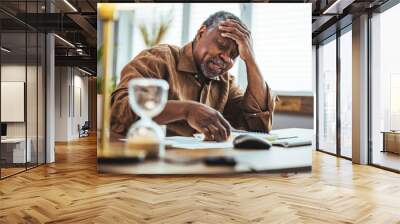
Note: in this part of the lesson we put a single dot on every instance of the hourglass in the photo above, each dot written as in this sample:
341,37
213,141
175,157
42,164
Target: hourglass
147,98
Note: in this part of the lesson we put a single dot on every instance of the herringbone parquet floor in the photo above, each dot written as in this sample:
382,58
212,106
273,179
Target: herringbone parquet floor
71,191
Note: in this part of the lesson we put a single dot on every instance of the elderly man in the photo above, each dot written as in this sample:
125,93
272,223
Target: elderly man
202,97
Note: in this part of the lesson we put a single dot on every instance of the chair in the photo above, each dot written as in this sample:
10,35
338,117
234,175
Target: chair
84,130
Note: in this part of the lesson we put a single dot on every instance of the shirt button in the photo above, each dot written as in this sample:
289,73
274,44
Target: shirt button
196,76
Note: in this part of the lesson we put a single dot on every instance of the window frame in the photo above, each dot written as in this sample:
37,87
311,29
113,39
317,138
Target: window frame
334,37
381,9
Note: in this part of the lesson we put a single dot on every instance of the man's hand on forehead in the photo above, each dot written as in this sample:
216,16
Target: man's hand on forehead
240,34
235,24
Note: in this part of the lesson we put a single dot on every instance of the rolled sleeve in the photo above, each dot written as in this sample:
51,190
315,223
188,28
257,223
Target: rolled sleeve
261,121
246,113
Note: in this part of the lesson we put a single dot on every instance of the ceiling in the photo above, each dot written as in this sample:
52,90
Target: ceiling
76,22
329,16
325,13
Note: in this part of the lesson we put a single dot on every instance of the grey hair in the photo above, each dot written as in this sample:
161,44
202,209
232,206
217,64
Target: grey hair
214,19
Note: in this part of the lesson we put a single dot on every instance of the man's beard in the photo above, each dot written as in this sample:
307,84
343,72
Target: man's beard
206,73
210,74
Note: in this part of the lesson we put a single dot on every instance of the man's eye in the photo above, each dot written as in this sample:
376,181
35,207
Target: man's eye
234,55
221,46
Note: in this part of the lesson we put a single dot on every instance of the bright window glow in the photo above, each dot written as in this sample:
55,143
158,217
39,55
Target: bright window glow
385,78
282,44
327,96
394,101
346,93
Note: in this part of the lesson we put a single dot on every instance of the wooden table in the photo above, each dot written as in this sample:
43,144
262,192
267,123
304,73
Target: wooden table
274,160
391,141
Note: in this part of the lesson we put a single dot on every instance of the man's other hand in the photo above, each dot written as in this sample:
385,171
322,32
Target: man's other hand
241,35
208,121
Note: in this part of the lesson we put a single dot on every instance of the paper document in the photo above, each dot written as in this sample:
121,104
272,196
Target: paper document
195,143
181,142
269,137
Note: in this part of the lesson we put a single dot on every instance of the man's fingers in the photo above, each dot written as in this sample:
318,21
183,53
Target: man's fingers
214,129
218,131
207,133
222,132
232,36
225,123
240,26
230,29
237,26
234,30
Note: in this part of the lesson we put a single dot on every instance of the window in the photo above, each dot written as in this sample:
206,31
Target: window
327,96
394,101
346,94
385,84
22,65
282,44
128,38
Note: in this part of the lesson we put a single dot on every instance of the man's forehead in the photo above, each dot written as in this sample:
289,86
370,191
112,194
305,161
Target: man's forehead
217,37
226,40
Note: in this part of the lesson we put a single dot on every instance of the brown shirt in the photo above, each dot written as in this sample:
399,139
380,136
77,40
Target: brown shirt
176,66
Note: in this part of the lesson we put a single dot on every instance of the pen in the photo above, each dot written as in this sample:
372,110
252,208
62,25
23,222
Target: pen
286,137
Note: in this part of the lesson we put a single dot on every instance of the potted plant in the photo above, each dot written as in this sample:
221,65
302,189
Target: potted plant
152,34
155,32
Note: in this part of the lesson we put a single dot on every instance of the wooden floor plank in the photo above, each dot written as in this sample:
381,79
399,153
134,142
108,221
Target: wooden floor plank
71,191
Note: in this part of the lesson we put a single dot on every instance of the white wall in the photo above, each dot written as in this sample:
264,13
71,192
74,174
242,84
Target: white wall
314,84
80,94
71,94
62,81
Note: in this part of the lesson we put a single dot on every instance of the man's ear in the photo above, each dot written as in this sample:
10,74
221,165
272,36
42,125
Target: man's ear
200,32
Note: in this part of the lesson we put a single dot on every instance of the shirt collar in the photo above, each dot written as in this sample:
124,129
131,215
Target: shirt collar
186,60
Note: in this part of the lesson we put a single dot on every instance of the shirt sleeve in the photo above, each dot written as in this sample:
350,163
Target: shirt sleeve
245,113
148,64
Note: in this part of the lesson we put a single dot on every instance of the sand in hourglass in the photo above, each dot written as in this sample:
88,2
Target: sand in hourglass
149,144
